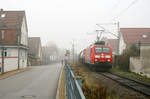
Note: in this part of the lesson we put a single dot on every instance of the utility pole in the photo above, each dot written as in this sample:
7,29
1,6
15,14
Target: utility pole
118,29
118,36
2,52
73,51
2,69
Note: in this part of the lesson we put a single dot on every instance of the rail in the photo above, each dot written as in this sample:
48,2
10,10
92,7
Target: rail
73,87
133,84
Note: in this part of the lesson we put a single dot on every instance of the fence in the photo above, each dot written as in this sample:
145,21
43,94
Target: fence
73,88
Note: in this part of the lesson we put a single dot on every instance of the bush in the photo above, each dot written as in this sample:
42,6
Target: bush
94,92
124,59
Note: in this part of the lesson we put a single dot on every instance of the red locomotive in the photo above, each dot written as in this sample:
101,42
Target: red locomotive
98,56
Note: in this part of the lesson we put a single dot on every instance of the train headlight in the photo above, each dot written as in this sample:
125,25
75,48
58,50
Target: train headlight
107,56
108,60
97,56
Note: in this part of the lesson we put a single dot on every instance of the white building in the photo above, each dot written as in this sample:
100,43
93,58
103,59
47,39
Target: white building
129,36
14,40
141,38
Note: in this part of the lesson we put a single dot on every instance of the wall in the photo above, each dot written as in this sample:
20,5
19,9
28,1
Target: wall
135,65
24,33
10,61
145,59
23,58
141,65
122,44
10,36
40,52
34,61
10,64
24,41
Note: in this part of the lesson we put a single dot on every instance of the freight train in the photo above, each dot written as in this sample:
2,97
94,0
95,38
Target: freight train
98,56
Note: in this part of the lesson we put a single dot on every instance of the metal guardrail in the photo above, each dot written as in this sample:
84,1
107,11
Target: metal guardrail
73,88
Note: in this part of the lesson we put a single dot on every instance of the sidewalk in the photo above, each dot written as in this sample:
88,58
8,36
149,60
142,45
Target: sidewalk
61,86
10,73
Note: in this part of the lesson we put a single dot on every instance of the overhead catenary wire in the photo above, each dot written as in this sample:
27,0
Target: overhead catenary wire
124,10
114,7
107,30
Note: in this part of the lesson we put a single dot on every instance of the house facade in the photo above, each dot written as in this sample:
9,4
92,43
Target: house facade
50,54
35,51
129,36
45,55
13,40
141,38
141,64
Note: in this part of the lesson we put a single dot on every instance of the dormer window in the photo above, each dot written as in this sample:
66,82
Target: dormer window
3,15
144,36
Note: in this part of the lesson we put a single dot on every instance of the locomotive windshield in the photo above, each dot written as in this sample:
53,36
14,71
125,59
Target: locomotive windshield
102,49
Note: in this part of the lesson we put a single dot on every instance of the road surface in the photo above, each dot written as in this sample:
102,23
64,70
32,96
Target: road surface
39,82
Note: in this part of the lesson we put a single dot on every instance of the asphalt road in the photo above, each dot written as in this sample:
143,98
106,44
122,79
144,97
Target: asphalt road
39,82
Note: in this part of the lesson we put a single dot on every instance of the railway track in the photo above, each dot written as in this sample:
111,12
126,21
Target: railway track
130,83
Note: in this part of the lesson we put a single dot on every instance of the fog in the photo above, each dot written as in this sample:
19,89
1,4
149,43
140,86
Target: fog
67,21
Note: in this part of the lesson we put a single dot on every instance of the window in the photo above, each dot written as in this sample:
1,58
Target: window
144,36
8,52
2,33
106,50
3,15
98,49
102,49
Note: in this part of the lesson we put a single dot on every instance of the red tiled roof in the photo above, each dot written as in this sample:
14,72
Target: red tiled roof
134,35
12,19
113,43
11,22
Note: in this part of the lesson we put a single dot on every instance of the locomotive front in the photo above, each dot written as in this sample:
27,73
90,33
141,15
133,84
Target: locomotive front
101,56
98,56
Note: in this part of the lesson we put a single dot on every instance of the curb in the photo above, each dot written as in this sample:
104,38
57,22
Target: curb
19,71
59,82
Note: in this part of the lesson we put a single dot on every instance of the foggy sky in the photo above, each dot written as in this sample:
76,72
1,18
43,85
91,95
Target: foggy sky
62,21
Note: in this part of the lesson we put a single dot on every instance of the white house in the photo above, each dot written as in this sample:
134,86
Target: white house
140,37
141,64
129,36
13,39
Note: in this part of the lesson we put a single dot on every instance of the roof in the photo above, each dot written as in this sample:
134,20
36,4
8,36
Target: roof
113,43
34,45
135,35
11,19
